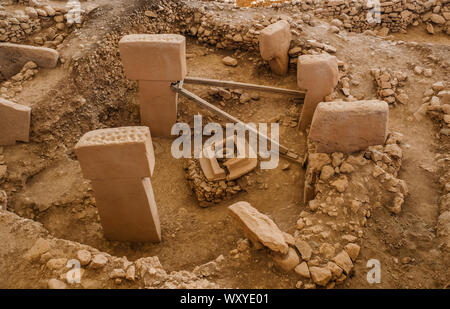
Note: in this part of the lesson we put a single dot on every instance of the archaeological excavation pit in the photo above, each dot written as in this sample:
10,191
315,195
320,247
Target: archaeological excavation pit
93,112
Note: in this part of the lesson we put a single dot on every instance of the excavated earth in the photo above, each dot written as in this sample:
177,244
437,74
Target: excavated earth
51,213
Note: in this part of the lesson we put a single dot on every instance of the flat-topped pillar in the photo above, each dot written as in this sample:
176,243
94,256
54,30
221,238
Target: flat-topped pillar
119,162
156,61
318,75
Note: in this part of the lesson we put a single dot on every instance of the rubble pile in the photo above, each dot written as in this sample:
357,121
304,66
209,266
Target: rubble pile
207,192
437,106
389,86
56,261
20,25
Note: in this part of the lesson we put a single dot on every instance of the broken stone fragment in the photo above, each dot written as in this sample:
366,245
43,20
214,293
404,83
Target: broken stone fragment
287,262
320,275
352,250
259,227
303,270
274,42
343,261
304,248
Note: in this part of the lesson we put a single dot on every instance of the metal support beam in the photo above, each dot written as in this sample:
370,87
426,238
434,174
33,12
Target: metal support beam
284,151
231,84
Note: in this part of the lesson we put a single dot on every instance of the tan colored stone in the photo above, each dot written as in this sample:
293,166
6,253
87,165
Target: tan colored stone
320,275
259,227
274,42
127,209
304,248
55,284
352,251
14,56
349,126
40,247
335,270
318,75
288,261
343,261
303,270
158,107
154,57
84,257
116,153
14,122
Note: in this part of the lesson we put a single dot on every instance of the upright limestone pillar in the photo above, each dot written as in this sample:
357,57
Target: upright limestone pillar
119,163
318,75
156,61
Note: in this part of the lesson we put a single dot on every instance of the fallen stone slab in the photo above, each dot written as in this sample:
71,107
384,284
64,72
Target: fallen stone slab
349,126
14,56
14,122
259,228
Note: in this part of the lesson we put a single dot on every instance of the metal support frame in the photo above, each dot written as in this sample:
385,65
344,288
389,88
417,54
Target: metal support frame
284,151
231,84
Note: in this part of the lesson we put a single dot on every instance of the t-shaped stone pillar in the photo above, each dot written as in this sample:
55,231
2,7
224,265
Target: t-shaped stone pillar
274,42
14,122
318,75
119,163
155,60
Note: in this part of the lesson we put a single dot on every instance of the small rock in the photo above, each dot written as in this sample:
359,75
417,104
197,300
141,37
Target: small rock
56,284
352,251
304,248
343,261
117,273
320,275
99,261
302,270
288,261
84,257
230,61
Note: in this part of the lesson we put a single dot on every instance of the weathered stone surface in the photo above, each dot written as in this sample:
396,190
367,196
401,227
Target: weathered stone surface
14,122
274,42
14,56
343,261
320,275
288,261
352,251
259,227
318,75
154,57
349,126
304,248
116,153
55,284
303,270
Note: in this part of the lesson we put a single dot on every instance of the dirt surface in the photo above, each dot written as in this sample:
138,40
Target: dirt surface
88,91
